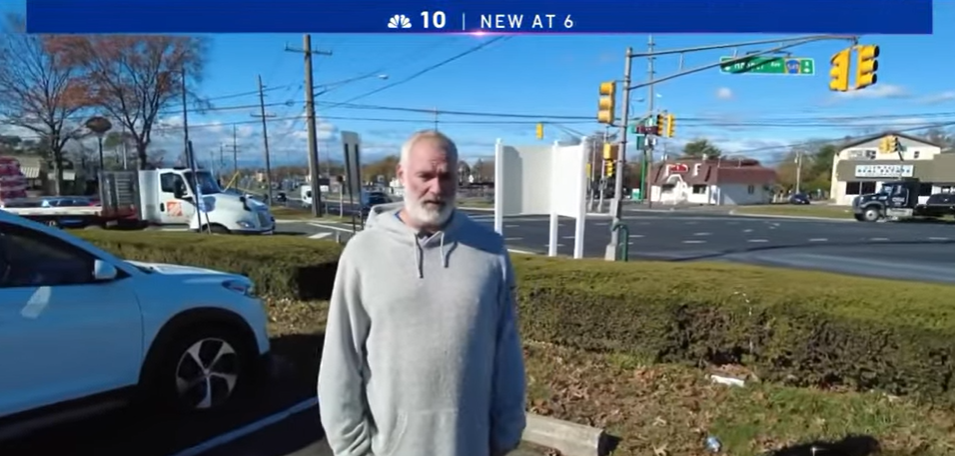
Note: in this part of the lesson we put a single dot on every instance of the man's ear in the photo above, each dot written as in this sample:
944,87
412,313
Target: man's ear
400,173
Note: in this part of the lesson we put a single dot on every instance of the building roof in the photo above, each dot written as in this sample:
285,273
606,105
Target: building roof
886,133
715,172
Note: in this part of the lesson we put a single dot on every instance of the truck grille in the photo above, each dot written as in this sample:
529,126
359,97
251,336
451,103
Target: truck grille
265,219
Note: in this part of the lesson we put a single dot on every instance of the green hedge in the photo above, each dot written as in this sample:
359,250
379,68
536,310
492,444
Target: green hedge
804,328
281,266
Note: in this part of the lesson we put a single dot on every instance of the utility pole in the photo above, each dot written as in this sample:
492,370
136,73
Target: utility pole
435,119
265,140
617,203
798,170
313,163
235,150
648,149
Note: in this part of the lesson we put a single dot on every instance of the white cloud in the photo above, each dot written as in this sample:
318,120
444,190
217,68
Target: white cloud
724,93
873,92
938,97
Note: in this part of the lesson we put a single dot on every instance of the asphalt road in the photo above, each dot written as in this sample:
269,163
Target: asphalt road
908,251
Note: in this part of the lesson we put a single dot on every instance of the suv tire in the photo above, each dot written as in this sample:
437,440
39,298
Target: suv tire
204,369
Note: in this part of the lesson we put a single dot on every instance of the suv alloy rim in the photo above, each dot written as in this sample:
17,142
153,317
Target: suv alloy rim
206,373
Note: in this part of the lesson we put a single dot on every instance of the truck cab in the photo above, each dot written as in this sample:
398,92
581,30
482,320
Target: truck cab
897,199
174,196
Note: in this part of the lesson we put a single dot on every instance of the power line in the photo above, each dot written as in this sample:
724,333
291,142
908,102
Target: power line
431,68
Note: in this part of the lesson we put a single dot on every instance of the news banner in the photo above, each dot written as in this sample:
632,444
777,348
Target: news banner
855,17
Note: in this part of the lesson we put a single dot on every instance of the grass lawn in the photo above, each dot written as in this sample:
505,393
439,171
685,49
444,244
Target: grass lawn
668,410
809,210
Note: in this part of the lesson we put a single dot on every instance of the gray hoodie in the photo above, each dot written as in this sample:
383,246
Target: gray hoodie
422,355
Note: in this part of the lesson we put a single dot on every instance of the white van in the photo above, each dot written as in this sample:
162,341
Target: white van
305,195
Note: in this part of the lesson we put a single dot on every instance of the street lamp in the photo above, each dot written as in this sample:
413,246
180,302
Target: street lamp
99,126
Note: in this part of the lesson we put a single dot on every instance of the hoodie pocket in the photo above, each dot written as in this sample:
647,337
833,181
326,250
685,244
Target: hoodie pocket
436,432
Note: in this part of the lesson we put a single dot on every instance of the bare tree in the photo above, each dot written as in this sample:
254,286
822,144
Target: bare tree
136,78
39,91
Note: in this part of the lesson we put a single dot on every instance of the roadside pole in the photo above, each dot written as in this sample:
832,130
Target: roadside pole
650,141
313,164
798,170
617,203
265,140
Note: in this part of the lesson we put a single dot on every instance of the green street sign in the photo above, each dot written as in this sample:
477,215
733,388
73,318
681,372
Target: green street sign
790,66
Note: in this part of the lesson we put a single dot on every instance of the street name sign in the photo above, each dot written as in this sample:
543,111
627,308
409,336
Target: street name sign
790,66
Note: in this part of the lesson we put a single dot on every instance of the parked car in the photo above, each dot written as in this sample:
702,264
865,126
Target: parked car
799,198
86,331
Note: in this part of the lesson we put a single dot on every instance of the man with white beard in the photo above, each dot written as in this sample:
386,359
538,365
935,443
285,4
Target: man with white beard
422,355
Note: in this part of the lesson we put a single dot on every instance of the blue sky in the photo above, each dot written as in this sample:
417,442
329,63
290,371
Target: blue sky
554,75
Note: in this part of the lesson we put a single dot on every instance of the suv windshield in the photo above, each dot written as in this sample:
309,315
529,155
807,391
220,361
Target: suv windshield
207,184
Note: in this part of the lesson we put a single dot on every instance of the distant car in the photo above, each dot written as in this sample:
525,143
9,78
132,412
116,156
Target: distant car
88,331
281,197
799,198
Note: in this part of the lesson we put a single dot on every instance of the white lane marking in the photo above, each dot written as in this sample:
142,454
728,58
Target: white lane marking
878,239
757,240
692,241
635,236
320,235
701,234
512,226
692,223
331,227
938,238
558,245
524,252
601,224
513,239
748,230
248,429
568,237
818,240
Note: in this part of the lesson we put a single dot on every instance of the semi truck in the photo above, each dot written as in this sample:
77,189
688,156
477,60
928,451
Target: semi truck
899,200
166,197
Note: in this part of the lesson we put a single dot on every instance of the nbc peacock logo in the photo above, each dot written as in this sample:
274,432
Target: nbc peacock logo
399,21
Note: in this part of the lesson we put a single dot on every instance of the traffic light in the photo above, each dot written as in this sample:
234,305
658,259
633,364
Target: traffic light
671,127
866,66
540,131
607,104
609,168
608,151
895,144
839,74
658,125
885,144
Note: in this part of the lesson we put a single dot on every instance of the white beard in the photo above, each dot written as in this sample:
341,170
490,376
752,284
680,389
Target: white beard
427,216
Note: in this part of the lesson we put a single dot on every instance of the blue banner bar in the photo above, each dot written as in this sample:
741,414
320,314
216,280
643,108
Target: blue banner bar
851,17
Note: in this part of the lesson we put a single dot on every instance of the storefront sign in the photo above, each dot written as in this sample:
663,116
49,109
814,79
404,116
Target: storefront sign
888,171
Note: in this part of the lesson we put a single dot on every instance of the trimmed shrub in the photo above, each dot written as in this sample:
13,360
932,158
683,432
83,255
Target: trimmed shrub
796,327
280,266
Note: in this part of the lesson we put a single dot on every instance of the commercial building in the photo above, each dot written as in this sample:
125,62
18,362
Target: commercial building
860,167
711,181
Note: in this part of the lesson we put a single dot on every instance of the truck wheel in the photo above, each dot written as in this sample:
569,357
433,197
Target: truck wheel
859,217
219,229
872,214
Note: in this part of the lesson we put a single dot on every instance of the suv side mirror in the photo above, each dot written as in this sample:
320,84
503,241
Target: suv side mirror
103,271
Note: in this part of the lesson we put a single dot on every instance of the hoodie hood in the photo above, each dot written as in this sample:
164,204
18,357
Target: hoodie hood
384,218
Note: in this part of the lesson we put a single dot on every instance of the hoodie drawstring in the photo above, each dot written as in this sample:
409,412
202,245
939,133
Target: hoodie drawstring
419,253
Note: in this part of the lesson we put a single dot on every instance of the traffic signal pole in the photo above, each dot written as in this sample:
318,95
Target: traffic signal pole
617,203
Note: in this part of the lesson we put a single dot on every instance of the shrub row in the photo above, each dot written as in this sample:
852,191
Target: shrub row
804,328
281,266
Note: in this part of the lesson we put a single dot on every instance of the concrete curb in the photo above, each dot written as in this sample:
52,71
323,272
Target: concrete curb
794,217
570,439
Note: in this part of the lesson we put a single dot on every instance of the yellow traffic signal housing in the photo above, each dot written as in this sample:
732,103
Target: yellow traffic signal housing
609,168
895,143
839,74
659,126
607,104
608,151
866,66
540,131
671,126
885,145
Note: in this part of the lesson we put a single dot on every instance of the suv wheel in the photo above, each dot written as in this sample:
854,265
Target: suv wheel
204,370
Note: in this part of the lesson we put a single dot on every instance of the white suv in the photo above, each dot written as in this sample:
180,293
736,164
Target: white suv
82,330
